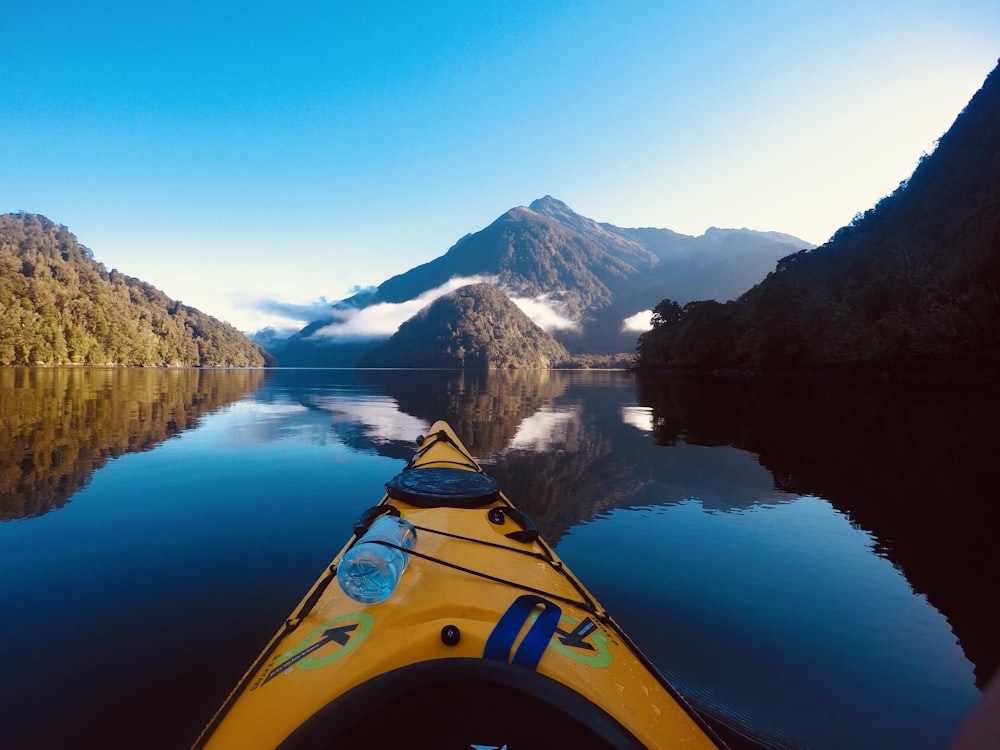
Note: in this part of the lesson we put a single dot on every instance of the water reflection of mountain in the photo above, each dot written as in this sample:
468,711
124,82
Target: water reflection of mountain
501,415
334,405
59,425
485,407
561,446
385,410
910,463
581,457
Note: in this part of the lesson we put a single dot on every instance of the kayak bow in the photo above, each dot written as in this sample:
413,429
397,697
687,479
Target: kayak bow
488,640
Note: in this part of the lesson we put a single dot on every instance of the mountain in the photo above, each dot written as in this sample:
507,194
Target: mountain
60,306
577,278
911,284
477,327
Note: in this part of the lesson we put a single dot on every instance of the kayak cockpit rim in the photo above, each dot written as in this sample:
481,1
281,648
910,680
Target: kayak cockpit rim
460,701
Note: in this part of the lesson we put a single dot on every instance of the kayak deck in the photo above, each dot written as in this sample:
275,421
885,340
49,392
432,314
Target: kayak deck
488,640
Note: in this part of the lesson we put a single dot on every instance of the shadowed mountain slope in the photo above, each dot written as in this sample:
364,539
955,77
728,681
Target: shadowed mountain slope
911,284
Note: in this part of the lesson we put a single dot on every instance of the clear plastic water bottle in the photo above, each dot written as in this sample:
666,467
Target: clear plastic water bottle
368,573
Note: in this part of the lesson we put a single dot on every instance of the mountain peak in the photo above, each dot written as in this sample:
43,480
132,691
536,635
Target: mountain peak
556,210
550,206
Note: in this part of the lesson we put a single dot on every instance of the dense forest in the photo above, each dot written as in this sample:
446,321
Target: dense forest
911,284
477,327
59,306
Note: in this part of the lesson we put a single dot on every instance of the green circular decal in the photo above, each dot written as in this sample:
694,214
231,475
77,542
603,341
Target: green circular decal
581,641
591,650
347,631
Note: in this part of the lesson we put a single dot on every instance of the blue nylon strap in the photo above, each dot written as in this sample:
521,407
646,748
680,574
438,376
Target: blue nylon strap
501,640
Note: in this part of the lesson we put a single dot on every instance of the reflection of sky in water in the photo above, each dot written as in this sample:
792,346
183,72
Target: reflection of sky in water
256,422
380,418
640,417
546,429
322,420
720,478
781,616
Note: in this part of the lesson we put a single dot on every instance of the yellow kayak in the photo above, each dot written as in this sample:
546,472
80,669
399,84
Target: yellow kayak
487,640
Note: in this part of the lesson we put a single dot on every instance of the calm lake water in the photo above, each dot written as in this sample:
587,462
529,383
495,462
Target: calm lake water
809,562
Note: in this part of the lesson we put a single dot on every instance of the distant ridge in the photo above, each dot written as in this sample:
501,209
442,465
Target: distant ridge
578,278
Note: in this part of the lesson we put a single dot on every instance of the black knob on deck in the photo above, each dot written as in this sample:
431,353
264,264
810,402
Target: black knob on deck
450,635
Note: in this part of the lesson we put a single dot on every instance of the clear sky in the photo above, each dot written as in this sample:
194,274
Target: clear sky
243,156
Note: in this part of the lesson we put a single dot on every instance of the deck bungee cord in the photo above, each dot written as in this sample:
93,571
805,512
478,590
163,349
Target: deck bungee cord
589,605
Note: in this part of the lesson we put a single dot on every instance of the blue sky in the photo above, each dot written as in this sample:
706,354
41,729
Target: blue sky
233,154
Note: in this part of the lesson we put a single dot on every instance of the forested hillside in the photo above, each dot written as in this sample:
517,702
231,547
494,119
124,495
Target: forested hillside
912,284
477,327
60,306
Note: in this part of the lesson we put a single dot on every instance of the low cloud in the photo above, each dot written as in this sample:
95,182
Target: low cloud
545,313
641,321
383,319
